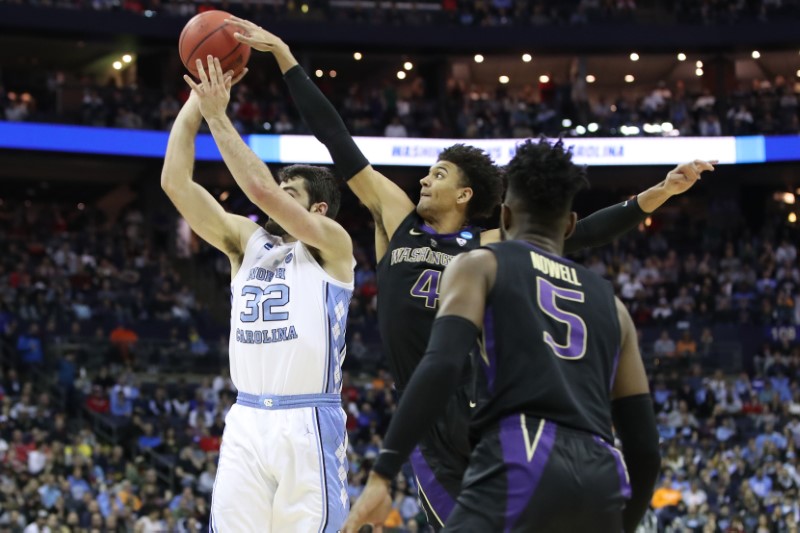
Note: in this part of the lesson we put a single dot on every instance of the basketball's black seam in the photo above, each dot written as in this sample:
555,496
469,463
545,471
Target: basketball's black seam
221,59
198,45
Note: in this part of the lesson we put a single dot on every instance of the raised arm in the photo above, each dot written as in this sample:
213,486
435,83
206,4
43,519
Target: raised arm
635,422
224,231
257,182
605,225
386,201
610,223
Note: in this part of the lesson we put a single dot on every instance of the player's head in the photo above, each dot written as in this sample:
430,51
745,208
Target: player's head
315,188
464,178
542,182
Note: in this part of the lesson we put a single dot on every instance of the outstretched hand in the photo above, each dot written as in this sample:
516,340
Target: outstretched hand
254,36
681,178
214,90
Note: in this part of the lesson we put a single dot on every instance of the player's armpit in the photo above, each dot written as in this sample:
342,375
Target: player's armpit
387,202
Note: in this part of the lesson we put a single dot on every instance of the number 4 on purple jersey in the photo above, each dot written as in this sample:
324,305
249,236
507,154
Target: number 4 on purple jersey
427,287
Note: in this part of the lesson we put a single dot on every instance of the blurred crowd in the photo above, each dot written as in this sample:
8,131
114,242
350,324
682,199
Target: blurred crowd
460,12
405,109
108,442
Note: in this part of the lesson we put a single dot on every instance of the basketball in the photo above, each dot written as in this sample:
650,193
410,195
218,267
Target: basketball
207,34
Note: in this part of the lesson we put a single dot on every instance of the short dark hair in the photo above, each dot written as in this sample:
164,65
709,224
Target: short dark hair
544,177
321,185
481,174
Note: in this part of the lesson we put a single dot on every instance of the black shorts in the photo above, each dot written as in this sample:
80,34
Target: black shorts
529,475
441,458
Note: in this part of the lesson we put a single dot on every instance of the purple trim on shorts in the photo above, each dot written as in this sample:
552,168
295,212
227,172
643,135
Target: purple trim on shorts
489,345
523,476
624,485
614,366
437,496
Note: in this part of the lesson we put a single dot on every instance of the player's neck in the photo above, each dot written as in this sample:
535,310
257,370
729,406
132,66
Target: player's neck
445,223
541,240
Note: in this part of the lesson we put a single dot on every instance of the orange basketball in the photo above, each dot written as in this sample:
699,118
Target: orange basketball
207,34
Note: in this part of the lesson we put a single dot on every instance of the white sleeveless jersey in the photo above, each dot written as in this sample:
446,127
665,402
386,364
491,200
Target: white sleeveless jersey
288,319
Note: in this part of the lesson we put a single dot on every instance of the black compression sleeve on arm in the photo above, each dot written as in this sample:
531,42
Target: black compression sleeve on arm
325,123
635,422
424,400
605,225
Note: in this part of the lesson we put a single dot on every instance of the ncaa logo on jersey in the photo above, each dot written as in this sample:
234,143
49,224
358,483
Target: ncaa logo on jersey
460,241
267,402
289,258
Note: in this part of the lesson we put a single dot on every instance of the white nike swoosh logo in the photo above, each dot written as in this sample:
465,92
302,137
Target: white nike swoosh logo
415,232
472,404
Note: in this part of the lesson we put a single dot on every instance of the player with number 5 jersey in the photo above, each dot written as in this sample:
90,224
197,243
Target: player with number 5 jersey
283,461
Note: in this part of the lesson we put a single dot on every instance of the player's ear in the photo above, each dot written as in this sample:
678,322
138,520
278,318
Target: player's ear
319,207
572,223
464,195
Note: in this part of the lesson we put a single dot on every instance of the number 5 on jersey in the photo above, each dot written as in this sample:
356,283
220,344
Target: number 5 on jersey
547,297
427,287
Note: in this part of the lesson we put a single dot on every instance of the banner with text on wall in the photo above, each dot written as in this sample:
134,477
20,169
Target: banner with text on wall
607,151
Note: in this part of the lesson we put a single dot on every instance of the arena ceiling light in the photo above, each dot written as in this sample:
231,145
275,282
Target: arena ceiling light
580,130
357,56
544,78
756,54
408,65
127,58
792,218
667,127
593,127
527,58
332,74
634,56
117,65
699,72
566,123
681,57
318,73
401,75
699,64
503,79
590,78
629,78
478,58
798,73
304,8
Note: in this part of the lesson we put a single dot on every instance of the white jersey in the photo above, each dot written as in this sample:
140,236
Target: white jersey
288,319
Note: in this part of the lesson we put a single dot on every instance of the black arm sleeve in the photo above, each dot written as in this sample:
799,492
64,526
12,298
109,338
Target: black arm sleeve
325,123
635,422
605,225
425,399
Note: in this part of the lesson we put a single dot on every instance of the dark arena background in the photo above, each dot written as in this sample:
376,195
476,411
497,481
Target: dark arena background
114,316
